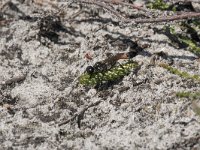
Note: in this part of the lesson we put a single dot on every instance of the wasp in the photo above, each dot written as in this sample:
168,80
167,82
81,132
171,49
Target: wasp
109,76
108,63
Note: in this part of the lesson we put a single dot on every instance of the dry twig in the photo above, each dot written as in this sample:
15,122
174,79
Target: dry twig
80,112
107,5
5,22
102,5
188,15
14,80
124,4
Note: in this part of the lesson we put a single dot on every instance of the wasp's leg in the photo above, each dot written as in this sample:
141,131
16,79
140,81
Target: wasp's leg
104,85
120,65
99,67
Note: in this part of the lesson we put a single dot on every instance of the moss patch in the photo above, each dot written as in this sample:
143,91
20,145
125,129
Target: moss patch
191,95
109,75
159,4
188,38
180,73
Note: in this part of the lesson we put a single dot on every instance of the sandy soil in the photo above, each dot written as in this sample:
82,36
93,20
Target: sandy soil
45,90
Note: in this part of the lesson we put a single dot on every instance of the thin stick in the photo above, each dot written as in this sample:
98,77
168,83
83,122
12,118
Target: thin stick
167,18
105,7
125,4
80,112
5,22
15,79
187,15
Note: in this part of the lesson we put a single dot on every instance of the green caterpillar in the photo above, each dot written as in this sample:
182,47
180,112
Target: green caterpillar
113,74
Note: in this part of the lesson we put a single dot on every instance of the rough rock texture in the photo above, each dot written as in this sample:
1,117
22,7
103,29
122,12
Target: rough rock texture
129,116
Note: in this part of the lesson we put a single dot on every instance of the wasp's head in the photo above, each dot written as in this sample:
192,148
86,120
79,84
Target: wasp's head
132,54
90,70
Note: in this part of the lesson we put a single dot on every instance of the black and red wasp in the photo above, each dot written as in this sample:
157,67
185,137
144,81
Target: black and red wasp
108,63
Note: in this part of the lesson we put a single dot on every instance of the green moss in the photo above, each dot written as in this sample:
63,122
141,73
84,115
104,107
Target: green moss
196,23
180,73
192,45
109,75
172,29
159,4
186,39
191,95
183,94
